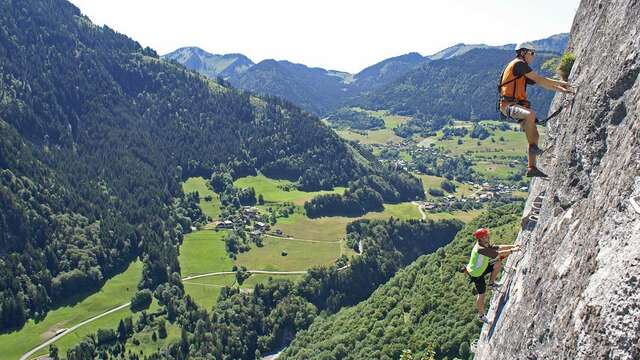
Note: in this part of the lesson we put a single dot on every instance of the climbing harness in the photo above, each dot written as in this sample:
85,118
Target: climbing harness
515,93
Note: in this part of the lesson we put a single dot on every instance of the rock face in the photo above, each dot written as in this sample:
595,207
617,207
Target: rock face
574,292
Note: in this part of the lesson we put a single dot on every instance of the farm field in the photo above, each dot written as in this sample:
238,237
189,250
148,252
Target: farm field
301,255
203,252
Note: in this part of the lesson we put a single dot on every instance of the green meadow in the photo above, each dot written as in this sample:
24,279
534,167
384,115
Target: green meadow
430,181
203,252
301,255
205,291
115,292
199,184
275,190
381,136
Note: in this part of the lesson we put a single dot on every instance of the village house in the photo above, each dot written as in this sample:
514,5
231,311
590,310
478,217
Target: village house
259,225
226,224
250,212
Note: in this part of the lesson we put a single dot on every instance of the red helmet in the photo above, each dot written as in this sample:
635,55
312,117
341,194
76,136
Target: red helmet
481,233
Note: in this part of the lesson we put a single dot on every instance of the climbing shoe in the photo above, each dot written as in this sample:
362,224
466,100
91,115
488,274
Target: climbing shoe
483,318
495,286
535,172
534,150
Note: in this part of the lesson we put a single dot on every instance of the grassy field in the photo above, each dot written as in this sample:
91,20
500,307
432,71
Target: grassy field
333,228
381,136
272,189
116,291
498,157
492,170
210,208
429,181
464,216
513,146
203,252
300,255
205,291
107,322
391,121
402,211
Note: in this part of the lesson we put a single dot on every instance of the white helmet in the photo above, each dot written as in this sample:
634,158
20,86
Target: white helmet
525,45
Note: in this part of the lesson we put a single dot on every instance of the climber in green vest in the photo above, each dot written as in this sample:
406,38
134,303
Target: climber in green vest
485,259
514,103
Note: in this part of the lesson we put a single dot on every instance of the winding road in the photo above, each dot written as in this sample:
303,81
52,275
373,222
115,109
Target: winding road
28,354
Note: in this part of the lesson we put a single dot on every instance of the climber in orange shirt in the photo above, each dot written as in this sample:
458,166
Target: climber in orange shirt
513,99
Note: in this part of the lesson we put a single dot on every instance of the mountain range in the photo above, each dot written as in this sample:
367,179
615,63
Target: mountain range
96,135
323,91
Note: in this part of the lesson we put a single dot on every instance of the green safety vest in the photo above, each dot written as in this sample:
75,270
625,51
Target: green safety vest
478,263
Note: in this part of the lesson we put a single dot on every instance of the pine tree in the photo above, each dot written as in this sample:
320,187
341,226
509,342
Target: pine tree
122,331
162,329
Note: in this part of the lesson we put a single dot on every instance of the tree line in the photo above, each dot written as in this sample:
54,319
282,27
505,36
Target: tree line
368,194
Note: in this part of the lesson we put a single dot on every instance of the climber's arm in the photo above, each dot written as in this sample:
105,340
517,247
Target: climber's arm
549,84
508,247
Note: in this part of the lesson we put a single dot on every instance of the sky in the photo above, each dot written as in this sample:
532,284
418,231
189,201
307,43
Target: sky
346,35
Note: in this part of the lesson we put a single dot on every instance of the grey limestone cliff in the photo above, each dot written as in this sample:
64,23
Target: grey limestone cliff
574,293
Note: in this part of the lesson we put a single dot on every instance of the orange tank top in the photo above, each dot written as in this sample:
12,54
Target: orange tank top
513,89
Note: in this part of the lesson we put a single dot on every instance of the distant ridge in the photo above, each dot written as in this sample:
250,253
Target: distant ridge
211,65
323,91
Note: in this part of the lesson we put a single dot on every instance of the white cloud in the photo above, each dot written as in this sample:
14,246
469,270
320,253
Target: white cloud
335,34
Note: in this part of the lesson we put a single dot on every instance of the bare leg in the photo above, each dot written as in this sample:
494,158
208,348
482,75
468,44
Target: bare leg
495,272
531,131
480,304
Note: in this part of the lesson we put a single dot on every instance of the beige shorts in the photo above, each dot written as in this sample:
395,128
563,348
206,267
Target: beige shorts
516,112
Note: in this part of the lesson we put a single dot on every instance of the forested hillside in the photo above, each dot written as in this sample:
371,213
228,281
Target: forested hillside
463,87
246,325
97,133
316,90
426,306
385,71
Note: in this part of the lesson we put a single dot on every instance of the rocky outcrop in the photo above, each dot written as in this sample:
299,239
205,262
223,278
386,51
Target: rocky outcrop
574,293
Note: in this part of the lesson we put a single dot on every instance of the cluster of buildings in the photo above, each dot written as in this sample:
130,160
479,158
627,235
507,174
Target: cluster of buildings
482,193
248,216
485,192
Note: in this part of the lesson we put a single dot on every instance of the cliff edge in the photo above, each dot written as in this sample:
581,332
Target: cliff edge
574,292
